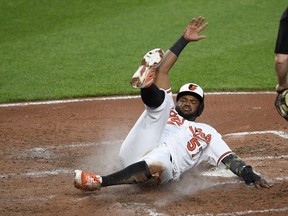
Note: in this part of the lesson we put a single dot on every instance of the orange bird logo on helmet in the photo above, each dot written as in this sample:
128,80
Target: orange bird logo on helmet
192,87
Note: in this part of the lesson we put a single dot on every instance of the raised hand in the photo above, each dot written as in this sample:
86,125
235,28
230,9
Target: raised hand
193,29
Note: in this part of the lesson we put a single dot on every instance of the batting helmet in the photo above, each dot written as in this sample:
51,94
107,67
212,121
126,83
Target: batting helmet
195,90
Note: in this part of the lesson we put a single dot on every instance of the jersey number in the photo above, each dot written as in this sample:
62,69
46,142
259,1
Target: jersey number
192,145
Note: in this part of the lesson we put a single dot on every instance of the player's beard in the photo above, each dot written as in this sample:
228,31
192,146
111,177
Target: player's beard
189,117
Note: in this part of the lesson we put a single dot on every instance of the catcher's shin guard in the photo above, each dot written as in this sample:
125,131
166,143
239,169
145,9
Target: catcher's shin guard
281,104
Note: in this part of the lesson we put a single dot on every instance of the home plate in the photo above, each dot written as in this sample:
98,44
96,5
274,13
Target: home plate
219,172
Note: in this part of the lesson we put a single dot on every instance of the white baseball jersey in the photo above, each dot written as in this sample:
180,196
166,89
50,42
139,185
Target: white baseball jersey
190,143
162,136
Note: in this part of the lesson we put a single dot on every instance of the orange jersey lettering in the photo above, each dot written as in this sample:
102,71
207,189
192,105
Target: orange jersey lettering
174,119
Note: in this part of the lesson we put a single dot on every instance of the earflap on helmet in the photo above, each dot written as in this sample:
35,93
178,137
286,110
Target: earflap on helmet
200,108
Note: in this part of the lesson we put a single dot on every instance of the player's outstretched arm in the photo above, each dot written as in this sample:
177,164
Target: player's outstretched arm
190,34
238,167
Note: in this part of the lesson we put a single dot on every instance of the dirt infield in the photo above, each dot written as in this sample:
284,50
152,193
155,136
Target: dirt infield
41,145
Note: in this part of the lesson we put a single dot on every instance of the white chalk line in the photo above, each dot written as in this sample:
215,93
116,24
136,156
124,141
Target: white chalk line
278,133
67,101
75,145
114,98
42,173
248,212
152,212
266,157
40,150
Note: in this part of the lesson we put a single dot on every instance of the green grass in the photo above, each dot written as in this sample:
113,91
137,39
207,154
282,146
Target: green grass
51,49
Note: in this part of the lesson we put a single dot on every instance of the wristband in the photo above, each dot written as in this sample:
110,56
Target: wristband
179,46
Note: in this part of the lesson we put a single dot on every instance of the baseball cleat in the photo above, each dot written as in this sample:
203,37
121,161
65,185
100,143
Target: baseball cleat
86,182
145,75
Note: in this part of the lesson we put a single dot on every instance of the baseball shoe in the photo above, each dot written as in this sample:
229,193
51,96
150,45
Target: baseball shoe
86,182
145,75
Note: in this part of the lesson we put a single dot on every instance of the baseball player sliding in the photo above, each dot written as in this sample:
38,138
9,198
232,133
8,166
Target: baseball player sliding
166,141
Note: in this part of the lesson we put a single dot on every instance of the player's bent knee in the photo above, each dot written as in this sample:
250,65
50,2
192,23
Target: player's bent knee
281,59
125,159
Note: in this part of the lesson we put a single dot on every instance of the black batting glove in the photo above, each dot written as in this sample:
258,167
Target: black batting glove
252,178
249,176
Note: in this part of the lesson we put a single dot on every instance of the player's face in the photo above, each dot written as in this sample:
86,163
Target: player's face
188,104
